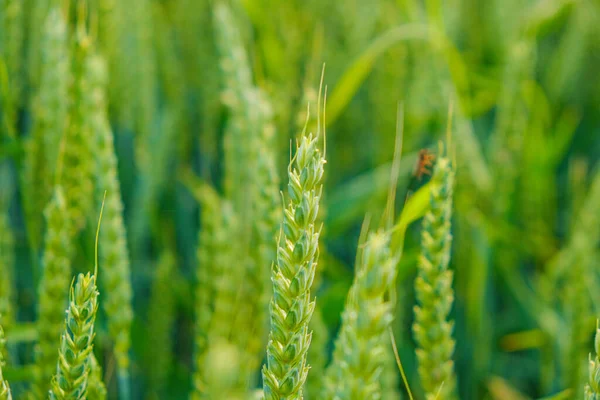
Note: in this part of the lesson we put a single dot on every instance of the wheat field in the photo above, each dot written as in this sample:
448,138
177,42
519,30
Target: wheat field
287,200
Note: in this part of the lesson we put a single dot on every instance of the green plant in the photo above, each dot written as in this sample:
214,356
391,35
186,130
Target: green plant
576,305
223,371
238,91
50,107
161,323
433,288
252,192
144,85
114,254
592,388
208,265
5,393
75,171
54,284
293,274
316,356
358,358
266,216
11,47
216,290
76,344
7,263
96,388
50,120
147,99
112,21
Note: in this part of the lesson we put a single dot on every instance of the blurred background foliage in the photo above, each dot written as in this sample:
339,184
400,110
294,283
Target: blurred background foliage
523,77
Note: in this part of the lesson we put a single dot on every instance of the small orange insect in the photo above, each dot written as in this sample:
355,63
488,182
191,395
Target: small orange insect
424,162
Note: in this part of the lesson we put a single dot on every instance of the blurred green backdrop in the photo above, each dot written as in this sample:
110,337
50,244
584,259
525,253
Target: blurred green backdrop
523,78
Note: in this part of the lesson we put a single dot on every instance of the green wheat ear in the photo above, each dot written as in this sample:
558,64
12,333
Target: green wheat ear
50,118
12,13
210,251
360,350
292,276
592,389
433,286
4,388
7,264
114,255
76,169
76,344
75,369
253,192
53,287
162,315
